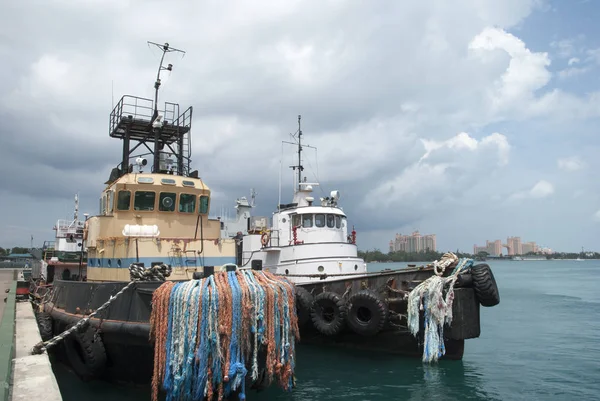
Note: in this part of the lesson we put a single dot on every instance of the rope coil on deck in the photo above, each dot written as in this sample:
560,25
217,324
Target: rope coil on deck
136,273
428,296
206,331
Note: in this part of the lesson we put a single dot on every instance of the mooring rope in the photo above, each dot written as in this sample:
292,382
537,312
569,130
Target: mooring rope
136,273
207,333
428,297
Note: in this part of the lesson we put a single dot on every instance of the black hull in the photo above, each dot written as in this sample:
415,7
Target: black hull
125,324
395,337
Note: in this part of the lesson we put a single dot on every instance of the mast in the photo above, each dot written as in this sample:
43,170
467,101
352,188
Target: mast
165,49
75,215
300,168
300,147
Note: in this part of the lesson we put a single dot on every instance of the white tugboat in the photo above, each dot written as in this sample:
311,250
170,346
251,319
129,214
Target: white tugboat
307,237
310,242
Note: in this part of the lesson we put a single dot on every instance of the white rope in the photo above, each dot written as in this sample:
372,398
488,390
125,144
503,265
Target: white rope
428,296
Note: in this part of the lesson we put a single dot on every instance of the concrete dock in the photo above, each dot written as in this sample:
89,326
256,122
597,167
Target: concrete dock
26,377
7,330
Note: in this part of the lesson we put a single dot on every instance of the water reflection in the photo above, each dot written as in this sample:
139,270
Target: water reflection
329,374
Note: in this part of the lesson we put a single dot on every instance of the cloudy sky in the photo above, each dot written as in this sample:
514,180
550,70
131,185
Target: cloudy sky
470,119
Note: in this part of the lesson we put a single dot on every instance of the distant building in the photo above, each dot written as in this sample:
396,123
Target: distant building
414,242
514,245
529,247
492,248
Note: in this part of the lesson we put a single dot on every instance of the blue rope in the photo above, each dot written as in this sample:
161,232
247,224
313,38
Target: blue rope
203,351
168,380
188,368
237,369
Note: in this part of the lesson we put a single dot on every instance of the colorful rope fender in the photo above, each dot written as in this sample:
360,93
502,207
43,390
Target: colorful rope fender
207,334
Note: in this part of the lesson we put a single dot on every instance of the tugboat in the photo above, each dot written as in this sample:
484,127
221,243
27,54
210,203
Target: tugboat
339,301
153,229
65,258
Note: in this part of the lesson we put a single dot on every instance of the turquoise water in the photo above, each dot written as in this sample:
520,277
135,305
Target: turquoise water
540,343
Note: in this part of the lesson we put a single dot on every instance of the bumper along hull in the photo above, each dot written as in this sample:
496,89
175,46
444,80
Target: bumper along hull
378,321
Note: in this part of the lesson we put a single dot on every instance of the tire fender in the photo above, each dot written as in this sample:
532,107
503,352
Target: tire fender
367,313
329,313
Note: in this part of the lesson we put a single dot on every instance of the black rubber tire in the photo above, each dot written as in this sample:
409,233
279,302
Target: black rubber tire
44,322
329,313
464,280
485,285
304,305
367,313
86,354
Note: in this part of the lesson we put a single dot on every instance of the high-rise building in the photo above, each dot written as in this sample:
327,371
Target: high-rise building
529,247
414,242
514,245
492,248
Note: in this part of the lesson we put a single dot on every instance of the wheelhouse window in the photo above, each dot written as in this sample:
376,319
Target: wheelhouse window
204,204
187,203
307,220
166,202
338,222
110,201
296,220
144,201
330,220
320,220
123,200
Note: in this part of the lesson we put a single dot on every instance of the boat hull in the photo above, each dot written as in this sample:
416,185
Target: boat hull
395,337
125,328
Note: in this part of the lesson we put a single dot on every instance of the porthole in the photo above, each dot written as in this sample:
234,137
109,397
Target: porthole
321,269
355,267
118,262
283,220
287,271
109,262
99,263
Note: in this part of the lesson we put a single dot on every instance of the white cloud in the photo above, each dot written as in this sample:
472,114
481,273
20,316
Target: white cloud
541,189
443,174
526,72
570,163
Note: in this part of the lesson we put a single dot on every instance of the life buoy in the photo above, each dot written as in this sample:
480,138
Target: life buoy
44,322
86,353
485,285
329,313
304,305
367,313
264,239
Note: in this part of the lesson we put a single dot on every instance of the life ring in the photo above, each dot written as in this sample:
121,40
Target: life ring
86,353
367,313
44,322
304,305
329,313
484,284
264,239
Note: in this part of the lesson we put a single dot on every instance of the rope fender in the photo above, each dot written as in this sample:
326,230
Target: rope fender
207,334
428,297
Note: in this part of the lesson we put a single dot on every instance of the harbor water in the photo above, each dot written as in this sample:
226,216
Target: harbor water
542,342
